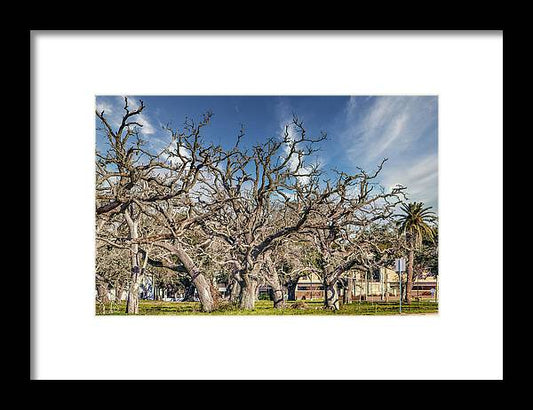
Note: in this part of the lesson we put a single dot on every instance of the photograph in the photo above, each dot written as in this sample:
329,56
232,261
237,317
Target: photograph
266,205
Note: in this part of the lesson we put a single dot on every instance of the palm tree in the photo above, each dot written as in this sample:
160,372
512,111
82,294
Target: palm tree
417,224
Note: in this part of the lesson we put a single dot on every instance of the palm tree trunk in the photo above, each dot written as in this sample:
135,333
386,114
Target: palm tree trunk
409,284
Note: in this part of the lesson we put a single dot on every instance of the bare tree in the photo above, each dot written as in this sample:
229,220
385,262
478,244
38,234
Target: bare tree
339,227
137,184
289,260
258,185
192,212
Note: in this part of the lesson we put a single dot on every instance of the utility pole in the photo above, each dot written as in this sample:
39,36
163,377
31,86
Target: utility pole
400,279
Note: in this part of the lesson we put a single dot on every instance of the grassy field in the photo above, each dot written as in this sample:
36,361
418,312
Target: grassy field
263,307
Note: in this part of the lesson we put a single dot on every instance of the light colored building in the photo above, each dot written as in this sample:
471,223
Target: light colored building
310,287
378,285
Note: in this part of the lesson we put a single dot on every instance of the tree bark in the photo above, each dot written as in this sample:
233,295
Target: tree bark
331,296
204,292
215,293
291,289
208,301
344,293
101,288
348,291
247,294
233,290
119,290
277,289
331,300
277,296
189,292
132,303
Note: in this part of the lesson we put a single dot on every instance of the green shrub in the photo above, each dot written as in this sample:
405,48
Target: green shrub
264,296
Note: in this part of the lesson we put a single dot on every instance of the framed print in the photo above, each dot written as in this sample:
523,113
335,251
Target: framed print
333,199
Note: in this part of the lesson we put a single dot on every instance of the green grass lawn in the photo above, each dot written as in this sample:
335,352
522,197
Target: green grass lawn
264,307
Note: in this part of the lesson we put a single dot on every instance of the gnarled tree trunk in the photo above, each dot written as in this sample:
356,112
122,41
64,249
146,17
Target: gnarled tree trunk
277,297
137,274
347,296
101,288
189,291
331,296
331,299
132,303
247,294
233,290
277,288
291,289
204,292
249,286
208,300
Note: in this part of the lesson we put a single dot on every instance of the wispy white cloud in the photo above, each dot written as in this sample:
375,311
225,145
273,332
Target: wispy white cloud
174,155
104,106
386,126
420,177
402,129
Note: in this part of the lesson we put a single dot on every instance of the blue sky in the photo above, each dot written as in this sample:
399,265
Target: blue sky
362,130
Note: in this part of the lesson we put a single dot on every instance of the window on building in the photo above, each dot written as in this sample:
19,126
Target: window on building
310,287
